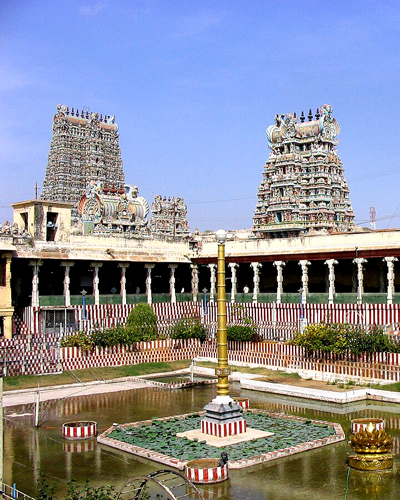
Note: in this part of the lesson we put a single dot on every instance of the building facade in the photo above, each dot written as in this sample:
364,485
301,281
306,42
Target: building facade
88,238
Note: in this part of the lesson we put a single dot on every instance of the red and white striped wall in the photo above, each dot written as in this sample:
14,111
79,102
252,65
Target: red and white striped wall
109,315
208,475
360,424
79,430
244,403
223,429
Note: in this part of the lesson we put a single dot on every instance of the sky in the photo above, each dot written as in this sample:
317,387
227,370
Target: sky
194,84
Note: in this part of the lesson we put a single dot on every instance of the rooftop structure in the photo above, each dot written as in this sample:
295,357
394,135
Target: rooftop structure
108,212
169,217
84,147
303,187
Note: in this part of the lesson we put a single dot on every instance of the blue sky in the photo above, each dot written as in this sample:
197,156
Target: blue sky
194,84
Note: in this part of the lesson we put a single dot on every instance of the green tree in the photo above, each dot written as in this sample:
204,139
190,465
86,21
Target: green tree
142,323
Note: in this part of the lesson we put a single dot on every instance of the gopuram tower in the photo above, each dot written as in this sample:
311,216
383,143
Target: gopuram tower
84,148
303,187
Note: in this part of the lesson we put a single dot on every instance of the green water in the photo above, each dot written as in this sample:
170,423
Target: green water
318,474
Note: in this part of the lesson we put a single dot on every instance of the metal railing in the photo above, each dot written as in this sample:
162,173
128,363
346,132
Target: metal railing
11,493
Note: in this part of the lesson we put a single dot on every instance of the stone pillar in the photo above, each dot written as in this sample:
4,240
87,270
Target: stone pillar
256,280
304,278
149,267
331,276
195,281
279,264
6,308
390,277
67,293
212,281
233,267
123,266
172,290
35,281
96,294
360,278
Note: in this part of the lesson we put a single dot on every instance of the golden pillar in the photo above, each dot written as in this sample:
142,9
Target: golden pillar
223,370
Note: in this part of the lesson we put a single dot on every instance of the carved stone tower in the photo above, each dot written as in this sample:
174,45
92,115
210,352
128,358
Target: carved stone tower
169,217
303,187
84,148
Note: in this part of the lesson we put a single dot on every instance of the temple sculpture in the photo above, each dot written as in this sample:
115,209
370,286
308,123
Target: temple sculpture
84,148
169,217
106,211
303,187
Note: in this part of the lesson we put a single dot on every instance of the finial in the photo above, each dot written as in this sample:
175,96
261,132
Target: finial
294,115
67,110
87,115
77,112
82,114
72,112
302,117
310,116
101,118
317,114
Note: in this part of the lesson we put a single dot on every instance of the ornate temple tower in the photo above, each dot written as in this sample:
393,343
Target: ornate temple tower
84,148
303,186
169,217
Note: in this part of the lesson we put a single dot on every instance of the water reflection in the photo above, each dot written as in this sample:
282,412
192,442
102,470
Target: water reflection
320,473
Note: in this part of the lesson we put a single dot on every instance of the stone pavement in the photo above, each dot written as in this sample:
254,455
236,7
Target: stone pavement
25,396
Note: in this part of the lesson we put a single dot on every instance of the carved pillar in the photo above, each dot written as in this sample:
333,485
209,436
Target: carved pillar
35,281
331,276
360,278
195,281
233,267
212,281
390,277
67,293
172,282
256,280
96,294
7,310
123,266
279,264
149,267
304,278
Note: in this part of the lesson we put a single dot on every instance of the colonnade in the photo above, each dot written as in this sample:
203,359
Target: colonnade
255,266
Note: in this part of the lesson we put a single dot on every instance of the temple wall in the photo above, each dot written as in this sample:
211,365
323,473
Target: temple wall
341,242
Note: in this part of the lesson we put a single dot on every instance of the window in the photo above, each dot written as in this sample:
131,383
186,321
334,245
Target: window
51,226
24,217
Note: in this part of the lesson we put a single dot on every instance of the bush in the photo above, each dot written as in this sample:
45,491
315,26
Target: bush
141,324
343,337
110,336
188,328
243,333
81,340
